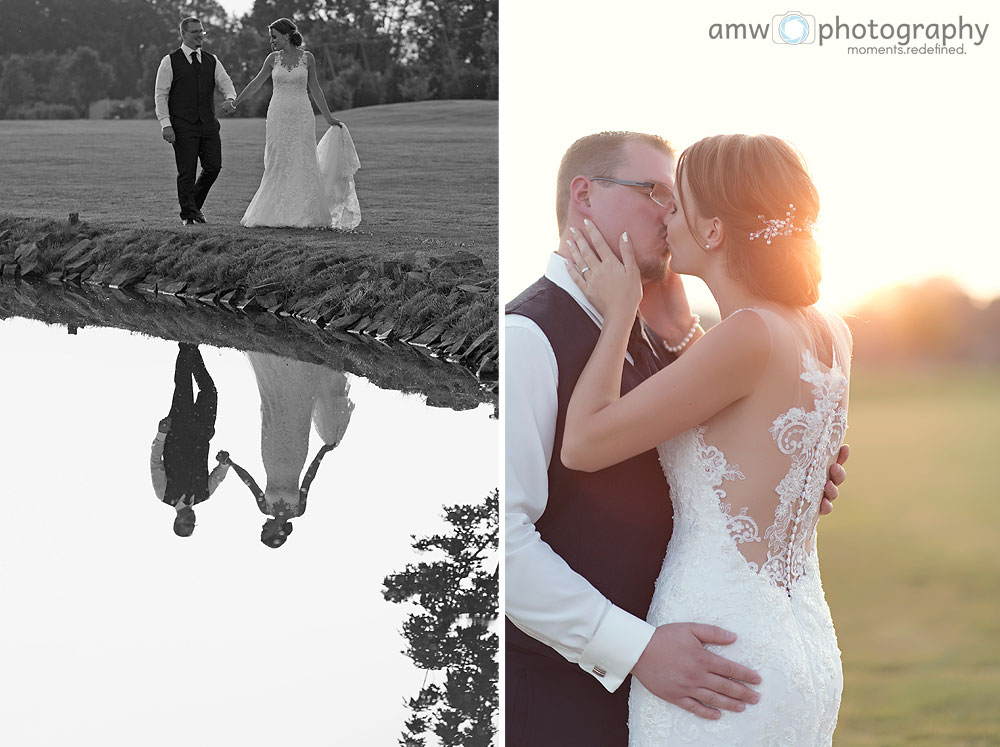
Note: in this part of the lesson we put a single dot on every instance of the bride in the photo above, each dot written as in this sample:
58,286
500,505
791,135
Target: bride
304,185
747,423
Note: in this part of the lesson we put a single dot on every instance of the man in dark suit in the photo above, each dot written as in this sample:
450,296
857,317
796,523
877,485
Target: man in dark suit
179,455
583,549
186,82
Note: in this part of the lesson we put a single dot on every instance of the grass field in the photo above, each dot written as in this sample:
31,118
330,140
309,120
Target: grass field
428,179
910,560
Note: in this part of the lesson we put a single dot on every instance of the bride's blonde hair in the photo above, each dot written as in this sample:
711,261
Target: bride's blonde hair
739,178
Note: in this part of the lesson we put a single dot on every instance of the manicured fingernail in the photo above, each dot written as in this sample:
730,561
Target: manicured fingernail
586,222
572,230
625,237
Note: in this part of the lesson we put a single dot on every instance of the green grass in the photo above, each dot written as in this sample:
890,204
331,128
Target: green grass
911,563
428,179
421,266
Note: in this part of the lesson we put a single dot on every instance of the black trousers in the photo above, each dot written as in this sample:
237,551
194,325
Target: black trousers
555,703
194,142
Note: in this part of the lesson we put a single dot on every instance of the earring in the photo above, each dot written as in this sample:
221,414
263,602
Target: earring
708,246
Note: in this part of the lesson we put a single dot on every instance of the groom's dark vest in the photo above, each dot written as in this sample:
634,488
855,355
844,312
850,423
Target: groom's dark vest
192,93
610,526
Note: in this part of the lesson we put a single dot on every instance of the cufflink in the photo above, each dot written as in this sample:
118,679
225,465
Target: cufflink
599,671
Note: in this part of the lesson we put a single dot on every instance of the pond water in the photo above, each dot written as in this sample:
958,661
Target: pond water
117,631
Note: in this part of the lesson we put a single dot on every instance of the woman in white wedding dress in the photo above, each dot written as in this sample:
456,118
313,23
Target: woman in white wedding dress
747,423
304,185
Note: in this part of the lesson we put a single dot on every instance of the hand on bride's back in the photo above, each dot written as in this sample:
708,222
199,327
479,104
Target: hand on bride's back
612,285
676,667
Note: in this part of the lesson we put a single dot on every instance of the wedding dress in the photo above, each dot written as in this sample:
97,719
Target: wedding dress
304,185
765,587
293,395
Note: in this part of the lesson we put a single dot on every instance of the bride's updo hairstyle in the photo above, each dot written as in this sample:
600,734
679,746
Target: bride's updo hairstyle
284,26
739,178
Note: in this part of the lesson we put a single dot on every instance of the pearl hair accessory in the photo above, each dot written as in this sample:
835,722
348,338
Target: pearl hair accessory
779,226
683,343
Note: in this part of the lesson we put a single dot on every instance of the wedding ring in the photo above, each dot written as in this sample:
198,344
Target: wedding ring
584,270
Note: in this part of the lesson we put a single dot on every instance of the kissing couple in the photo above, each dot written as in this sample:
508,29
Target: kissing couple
663,483
305,185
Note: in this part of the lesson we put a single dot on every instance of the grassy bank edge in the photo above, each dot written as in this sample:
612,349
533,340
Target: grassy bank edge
445,301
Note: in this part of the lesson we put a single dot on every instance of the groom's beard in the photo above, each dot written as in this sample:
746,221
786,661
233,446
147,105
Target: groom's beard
654,268
654,271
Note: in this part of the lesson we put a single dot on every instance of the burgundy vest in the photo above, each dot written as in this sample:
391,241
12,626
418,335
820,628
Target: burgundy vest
192,92
610,526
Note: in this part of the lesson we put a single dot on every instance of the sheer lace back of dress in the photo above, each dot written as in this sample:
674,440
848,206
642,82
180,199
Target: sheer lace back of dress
746,487
784,489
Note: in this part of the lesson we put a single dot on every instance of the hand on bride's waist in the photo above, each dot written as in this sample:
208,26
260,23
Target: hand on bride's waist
611,284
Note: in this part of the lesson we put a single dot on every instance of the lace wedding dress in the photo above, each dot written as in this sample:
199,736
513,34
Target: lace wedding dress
765,587
304,185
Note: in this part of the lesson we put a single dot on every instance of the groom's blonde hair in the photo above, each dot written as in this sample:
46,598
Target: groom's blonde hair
596,155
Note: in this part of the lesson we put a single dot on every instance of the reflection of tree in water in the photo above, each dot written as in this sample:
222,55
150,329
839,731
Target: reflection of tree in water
293,395
459,597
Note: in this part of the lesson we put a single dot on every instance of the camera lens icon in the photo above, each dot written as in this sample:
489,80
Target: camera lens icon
793,28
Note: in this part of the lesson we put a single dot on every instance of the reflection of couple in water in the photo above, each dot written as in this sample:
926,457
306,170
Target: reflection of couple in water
292,394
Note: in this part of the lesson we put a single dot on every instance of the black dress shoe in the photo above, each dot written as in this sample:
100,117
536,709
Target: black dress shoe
199,217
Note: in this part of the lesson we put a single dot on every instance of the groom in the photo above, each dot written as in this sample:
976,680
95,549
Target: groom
179,454
185,106
583,550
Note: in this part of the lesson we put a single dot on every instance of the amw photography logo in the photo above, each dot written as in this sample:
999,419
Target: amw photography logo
793,28
870,36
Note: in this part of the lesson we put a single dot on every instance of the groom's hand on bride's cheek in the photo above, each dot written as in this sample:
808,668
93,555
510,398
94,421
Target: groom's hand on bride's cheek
836,478
676,667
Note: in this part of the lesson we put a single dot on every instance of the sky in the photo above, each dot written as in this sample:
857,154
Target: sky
237,7
902,148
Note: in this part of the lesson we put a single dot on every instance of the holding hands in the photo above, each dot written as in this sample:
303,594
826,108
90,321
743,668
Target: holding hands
333,121
613,286
228,106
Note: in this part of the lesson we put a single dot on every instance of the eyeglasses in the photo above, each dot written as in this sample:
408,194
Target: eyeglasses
659,193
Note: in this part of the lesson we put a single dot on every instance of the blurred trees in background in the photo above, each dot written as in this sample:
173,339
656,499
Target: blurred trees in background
931,321
62,55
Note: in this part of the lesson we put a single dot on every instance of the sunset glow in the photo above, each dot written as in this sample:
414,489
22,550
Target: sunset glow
902,149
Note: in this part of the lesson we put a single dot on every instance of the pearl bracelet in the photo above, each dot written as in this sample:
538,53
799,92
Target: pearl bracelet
683,343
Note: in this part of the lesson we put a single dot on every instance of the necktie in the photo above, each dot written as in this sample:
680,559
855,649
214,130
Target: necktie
195,59
643,359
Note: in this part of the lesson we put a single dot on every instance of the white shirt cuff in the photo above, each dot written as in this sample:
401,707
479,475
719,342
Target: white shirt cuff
615,648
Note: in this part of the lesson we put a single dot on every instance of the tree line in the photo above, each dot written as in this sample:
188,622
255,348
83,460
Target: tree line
62,55
932,321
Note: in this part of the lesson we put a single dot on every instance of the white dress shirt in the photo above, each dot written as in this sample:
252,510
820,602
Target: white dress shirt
544,597
165,77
